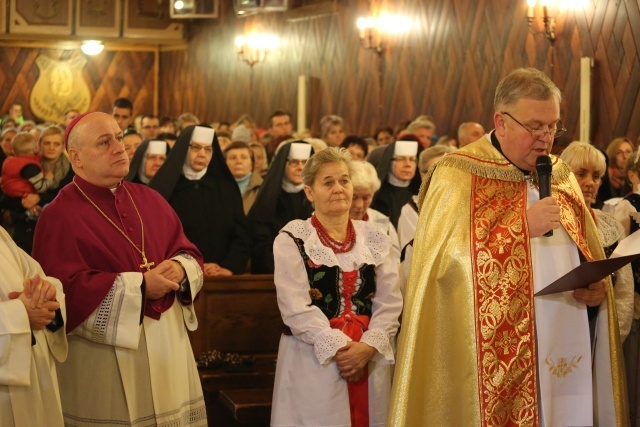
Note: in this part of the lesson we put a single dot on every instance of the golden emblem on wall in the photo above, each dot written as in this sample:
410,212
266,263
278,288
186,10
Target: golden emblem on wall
59,88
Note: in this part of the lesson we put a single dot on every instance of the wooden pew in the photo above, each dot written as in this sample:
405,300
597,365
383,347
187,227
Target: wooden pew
238,314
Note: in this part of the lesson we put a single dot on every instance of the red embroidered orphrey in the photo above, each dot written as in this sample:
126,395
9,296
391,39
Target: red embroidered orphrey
328,241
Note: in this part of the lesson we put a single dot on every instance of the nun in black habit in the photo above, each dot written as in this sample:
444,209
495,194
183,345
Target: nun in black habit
281,199
197,183
147,159
399,184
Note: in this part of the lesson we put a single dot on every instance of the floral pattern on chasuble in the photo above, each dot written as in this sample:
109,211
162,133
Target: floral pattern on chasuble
573,217
505,335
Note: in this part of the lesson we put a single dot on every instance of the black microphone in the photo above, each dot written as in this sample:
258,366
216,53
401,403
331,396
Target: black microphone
543,168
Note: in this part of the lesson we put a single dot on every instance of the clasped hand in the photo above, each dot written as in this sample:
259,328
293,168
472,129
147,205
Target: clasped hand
542,216
164,278
352,358
211,269
39,299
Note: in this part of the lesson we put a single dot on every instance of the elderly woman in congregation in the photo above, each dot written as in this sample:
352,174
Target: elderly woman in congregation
338,295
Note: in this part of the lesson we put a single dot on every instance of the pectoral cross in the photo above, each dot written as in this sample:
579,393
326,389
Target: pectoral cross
146,264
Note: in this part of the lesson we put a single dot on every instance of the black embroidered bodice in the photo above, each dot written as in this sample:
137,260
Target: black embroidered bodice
324,285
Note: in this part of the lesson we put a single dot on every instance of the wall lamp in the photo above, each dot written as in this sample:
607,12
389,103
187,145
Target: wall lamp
550,10
549,13
255,47
372,30
370,37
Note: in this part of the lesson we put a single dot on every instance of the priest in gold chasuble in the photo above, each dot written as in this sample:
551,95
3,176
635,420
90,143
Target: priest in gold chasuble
476,347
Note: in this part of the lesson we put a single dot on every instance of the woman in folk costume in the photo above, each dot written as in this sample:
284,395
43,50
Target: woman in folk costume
336,281
281,199
147,160
197,183
400,178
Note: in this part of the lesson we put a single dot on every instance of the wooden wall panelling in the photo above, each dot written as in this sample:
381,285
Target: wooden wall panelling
172,90
448,66
603,32
123,74
40,17
16,84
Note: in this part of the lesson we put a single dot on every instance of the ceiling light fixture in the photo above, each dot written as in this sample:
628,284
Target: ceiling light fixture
92,47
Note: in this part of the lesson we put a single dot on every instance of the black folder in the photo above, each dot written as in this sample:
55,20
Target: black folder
587,273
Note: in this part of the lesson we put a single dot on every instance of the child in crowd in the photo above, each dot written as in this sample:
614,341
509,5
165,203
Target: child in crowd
22,173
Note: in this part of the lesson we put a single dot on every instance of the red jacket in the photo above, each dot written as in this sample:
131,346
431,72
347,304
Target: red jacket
12,184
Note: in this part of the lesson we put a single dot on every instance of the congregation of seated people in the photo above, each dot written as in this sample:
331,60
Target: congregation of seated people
196,163
199,164
238,186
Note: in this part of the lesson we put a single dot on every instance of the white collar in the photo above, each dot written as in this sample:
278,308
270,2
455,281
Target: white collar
143,178
189,173
192,175
290,187
397,182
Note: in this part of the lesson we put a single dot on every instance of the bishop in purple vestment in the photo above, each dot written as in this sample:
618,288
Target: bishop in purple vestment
130,276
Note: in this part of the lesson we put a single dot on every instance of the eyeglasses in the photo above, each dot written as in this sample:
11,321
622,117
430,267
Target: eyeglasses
625,152
150,127
402,159
195,148
296,162
557,130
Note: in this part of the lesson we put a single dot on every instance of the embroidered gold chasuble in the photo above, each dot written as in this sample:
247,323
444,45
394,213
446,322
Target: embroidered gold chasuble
467,347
